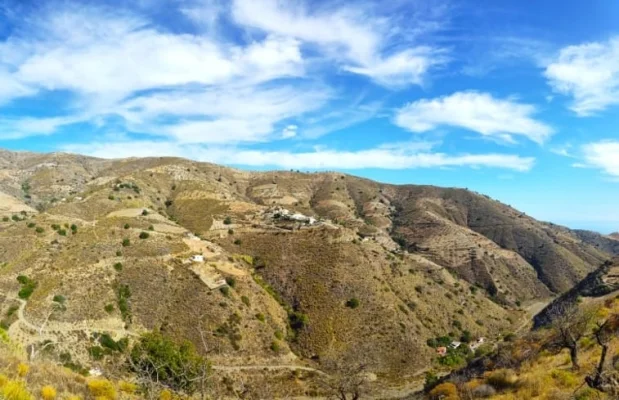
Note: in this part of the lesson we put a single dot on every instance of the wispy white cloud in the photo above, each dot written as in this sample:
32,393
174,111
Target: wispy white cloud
18,128
289,131
395,156
477,112
603,155
187,86
200,94
116,55
589,73
492,52
565,150
352,35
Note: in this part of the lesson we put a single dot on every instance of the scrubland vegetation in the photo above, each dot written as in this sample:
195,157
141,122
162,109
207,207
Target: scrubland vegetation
574,357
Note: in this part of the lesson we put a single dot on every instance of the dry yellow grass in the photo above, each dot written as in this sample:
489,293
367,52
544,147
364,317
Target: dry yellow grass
550,376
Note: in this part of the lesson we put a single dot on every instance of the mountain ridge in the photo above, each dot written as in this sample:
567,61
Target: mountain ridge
418,261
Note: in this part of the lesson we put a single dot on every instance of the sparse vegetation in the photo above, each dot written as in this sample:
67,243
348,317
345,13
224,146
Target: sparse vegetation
123,294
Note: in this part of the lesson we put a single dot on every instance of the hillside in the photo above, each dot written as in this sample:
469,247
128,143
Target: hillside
599,284
106,246
571,353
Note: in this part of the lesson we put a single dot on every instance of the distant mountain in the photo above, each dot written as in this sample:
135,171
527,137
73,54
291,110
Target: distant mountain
386,267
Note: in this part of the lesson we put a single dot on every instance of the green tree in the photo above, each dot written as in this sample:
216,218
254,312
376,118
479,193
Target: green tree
177,365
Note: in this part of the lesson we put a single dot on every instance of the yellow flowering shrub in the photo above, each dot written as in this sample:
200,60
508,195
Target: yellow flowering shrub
102,389
48,392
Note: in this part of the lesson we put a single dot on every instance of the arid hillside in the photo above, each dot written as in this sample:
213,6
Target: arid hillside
572,352
283,269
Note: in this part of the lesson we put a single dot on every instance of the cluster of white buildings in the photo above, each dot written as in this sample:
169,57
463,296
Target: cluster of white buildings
285,214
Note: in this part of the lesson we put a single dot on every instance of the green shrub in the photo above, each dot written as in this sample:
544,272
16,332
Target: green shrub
431,380
144,212
12,310
123,293
96,352
110,197
245,300
509,337
144,235
352,303
297,320
275,346
231,281
260,317
238,242
31,224
109,308
28,286
466,337
126,242
127,226
118,266
39,230
60,299
62,232
5,219
151,228
175,365
225,290
107,342
227,221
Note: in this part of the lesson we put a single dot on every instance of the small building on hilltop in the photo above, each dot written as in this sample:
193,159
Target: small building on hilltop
197,258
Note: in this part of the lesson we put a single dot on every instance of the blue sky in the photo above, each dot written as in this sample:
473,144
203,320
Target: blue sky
518,100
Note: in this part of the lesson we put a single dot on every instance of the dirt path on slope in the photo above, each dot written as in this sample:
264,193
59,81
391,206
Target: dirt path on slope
532,310
54,327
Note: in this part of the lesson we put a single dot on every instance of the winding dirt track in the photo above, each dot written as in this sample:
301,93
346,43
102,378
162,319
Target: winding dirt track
21,318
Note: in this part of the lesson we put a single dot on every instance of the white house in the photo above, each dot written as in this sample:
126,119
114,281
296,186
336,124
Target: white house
455,344
197,258
302,218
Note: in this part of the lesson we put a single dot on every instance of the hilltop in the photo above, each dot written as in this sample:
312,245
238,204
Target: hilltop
284,269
